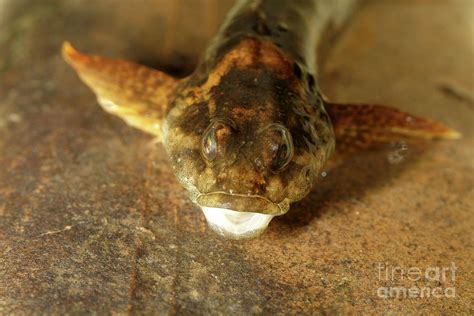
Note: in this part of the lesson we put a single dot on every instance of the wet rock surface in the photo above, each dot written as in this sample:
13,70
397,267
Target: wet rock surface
92,219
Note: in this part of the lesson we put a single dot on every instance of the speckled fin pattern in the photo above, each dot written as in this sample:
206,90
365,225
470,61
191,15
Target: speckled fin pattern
358,126
137,94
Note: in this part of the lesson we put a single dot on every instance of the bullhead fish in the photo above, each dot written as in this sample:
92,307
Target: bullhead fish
249,131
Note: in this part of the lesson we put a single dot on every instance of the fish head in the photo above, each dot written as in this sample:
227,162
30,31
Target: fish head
248,145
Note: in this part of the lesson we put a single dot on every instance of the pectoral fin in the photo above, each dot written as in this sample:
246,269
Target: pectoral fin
137,94
366,126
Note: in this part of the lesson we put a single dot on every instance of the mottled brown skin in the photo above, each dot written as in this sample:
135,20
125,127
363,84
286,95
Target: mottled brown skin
252,89
248,130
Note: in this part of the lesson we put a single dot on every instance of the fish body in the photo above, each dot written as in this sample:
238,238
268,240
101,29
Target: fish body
248,132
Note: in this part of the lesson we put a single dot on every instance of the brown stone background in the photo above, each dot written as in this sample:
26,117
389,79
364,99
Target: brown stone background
92,220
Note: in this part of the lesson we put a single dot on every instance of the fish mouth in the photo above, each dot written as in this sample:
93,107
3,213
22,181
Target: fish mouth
241,203
236,225
238,216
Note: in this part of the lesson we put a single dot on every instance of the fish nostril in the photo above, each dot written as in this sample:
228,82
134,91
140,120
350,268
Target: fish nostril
308,174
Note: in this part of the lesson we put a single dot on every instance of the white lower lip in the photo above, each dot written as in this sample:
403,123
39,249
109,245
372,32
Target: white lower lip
235,224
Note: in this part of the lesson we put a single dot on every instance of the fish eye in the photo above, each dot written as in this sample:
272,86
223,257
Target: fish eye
209,145
281,146
213,141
